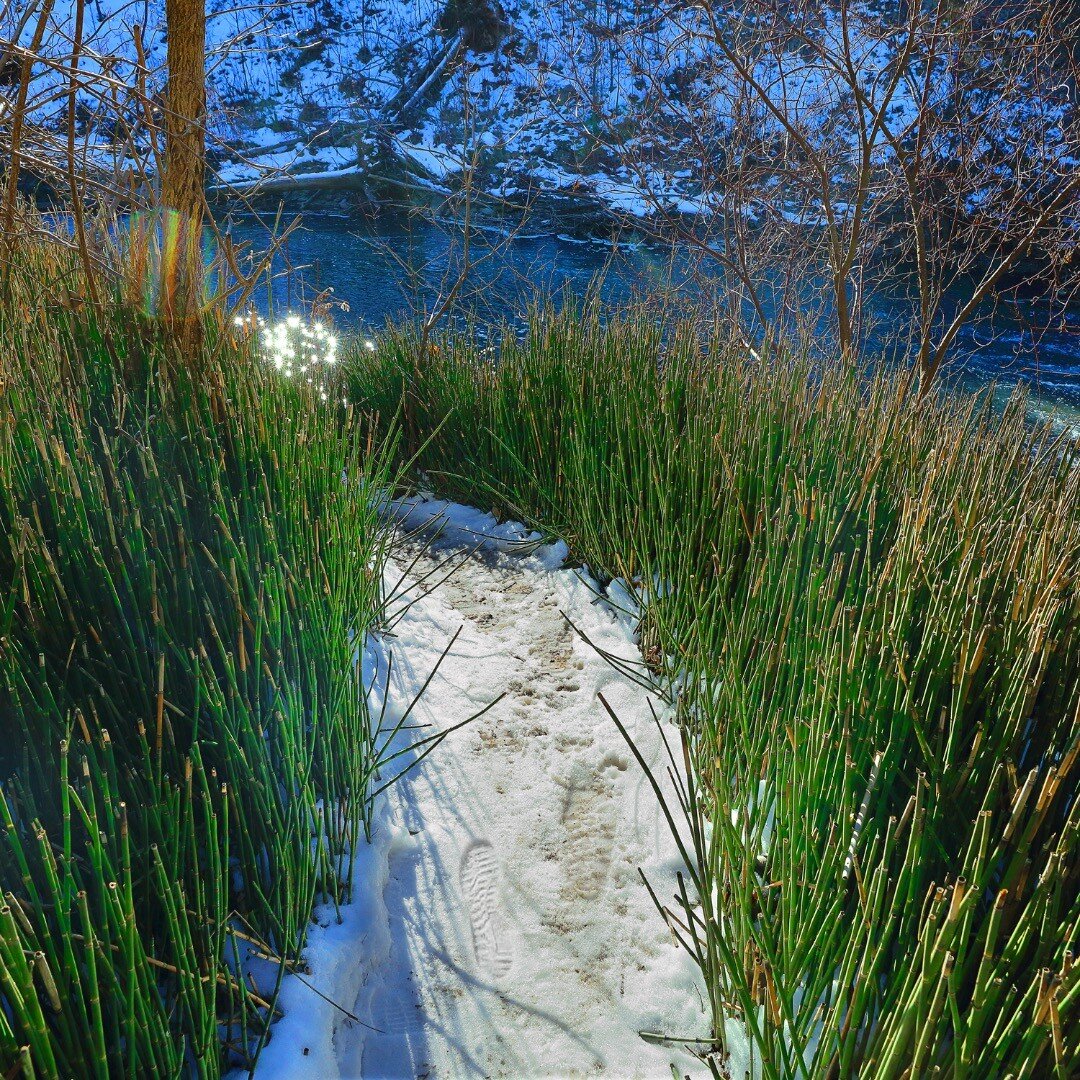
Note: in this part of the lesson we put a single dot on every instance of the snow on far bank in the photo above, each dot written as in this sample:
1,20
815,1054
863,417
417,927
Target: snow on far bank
610,103
500,926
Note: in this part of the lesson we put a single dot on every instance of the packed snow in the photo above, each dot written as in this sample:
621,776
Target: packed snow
500,924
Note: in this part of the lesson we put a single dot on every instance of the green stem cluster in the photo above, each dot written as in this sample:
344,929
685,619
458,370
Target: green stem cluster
186,579
865,610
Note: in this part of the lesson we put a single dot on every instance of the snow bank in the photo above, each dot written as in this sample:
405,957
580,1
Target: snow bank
341,956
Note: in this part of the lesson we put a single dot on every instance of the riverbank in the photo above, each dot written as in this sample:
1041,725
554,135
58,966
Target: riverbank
854,607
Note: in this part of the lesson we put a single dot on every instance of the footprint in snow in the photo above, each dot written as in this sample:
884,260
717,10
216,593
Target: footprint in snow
392,1013
589,822
480,885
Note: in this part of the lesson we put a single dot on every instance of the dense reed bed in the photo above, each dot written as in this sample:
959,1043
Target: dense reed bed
866,609
185,581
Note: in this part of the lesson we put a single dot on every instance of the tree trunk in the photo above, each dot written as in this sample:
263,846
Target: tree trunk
184,171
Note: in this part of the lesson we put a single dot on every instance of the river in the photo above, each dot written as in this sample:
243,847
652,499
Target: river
389,267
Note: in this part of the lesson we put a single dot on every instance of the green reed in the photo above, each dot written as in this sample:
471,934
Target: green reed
866,610
188,571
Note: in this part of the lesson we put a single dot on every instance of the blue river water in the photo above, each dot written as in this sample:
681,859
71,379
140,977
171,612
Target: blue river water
392,268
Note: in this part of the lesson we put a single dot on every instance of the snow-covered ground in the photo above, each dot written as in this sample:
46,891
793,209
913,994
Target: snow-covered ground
622,105
501,926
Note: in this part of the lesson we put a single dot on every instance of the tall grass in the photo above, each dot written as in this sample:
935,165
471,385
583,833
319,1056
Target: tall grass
186,577
866,610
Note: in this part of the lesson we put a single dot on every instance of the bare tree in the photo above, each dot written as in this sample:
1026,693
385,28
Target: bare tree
184,168
18,71
858,148
85,120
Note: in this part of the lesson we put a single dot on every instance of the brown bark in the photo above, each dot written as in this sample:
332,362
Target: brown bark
18,114
182,183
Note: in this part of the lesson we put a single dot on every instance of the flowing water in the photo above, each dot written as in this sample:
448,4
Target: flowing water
390,267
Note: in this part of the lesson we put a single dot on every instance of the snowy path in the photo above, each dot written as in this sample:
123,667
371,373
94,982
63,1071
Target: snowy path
517,939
